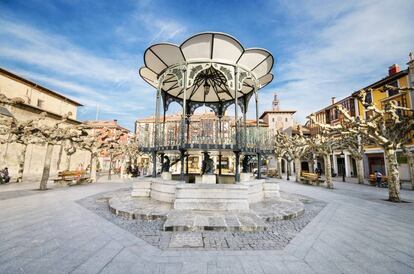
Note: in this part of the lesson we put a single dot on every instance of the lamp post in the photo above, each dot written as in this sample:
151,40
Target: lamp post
343,167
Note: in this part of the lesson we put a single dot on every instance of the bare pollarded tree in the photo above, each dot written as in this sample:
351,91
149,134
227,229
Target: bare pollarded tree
354,144
23,133
389,128
351,140
104,140
51,136
297,146
290,148
281,140
323,144
129,153
94,143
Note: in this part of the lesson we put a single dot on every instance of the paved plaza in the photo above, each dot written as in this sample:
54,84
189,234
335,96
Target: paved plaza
264,227
356,232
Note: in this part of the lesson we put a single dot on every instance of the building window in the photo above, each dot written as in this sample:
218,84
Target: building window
40,103
392,92
273,119
368,98
286,119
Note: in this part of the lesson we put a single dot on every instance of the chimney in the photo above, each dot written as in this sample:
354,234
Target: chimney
333,100
393,69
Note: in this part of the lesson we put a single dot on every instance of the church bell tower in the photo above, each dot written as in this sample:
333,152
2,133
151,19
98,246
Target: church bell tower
275,104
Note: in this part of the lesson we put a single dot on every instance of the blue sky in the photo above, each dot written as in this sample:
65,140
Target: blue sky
91,50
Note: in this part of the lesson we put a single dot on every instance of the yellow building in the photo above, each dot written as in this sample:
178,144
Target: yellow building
380,96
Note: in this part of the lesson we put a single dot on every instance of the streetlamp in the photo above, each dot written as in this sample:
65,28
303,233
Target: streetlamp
343,167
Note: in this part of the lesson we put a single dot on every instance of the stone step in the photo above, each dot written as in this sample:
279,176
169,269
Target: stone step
190,220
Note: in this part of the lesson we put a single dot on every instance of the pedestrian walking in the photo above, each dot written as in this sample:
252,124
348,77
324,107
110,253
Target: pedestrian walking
378,178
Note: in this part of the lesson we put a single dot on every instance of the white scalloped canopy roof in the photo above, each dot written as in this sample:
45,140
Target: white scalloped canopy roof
207,47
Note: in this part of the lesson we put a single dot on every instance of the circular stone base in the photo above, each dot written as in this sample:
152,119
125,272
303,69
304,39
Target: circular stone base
270,209
122,204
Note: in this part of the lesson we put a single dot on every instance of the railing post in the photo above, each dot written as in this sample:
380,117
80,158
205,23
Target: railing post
259,166
183,122
237,178
154,164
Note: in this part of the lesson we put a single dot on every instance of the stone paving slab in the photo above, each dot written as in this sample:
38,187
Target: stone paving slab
180,240
284,208
186,220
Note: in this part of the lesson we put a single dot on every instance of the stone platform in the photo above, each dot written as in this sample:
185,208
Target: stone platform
254,219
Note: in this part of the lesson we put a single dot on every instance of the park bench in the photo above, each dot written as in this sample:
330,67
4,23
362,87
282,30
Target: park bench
373,180
310,178
72,177
272,173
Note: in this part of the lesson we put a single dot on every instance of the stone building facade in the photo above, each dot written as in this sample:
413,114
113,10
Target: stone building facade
37,99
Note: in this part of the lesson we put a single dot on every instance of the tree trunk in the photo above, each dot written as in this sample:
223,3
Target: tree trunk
310,167
360,170
4,159
122,168
68,158
328,171
298,169
393,175
59,162
289,169
22,160
46,167
110,168
410,161
93,168
279,167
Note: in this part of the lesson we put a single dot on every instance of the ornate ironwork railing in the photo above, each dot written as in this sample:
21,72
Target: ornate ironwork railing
169,135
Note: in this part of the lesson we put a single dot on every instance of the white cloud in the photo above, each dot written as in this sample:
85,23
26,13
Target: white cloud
352,50
112,83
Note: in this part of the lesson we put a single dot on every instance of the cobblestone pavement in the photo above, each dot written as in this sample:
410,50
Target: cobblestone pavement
356,232
277,235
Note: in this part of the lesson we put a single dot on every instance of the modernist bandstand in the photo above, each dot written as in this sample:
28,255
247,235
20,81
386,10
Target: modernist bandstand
213,70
